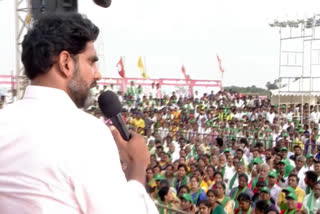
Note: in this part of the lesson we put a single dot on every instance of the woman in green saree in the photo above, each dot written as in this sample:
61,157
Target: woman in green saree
215,206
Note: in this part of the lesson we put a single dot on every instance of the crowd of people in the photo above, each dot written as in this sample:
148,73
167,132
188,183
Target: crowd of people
227,153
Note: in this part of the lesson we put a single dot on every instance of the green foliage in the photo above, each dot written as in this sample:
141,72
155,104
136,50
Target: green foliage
271,86
247,90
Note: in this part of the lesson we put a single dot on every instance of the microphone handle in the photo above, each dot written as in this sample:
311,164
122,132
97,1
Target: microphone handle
118,122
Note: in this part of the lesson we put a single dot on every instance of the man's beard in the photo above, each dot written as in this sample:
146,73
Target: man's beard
79,89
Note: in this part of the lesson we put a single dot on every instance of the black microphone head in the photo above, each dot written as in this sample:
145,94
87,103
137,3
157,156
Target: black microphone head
109,104
103,3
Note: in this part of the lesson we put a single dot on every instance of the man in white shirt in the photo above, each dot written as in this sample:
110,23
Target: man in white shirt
270,116
55,158
311,202
314,116
275,189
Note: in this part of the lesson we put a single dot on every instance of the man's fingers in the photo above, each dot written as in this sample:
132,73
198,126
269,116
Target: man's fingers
116,134
121,144
132,133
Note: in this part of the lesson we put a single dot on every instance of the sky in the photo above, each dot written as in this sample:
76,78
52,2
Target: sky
172,33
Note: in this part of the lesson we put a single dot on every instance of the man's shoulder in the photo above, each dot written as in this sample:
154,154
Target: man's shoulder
277,187
299,190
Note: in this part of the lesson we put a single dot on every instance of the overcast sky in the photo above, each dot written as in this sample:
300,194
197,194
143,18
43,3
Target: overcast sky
170,33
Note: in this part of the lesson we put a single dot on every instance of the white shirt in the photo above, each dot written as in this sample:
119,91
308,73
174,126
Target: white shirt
175,156
229,172
314,116
270,117
55,158
316,203
274,192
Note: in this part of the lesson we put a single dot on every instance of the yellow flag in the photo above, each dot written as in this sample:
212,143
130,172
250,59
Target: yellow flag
142,69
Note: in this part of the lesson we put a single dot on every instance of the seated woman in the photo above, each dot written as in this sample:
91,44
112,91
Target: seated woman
182,190
209,177
196,192
242,187
226,202
215,206
217,178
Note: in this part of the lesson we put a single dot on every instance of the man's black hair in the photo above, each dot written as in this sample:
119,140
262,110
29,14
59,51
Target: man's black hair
262,205
239,150
160,147
294,175
244,197
164,183
297,146
312,176
52,34
219,141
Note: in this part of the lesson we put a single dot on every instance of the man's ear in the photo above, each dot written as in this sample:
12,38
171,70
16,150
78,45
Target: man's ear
66,64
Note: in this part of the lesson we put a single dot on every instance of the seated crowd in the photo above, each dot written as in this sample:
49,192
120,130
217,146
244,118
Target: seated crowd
228,153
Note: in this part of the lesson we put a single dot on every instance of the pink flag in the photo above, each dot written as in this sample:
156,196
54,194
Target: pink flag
219,62
121,68
184,72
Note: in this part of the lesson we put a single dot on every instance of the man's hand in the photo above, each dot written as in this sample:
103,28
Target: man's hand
134,153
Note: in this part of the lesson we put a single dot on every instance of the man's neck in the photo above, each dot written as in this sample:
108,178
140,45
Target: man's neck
294,187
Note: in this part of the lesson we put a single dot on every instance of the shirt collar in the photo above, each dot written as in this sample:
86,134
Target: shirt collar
48,94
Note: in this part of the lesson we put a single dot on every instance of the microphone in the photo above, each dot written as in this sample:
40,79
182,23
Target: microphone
103,3
110,106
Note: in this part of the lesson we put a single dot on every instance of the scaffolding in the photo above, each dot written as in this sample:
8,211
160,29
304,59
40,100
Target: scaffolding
299,63
23,19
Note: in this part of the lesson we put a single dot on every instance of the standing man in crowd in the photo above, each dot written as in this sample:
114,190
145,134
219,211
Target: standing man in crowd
55,158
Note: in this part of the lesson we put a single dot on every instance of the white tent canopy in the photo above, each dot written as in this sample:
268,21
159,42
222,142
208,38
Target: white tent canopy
299,87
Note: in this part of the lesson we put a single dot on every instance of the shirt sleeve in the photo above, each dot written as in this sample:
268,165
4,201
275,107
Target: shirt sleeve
97,179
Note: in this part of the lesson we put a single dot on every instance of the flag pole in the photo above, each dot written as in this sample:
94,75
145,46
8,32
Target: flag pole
222,79
221,69
144,62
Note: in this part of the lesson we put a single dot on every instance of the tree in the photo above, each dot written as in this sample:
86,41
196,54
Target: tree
271,86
